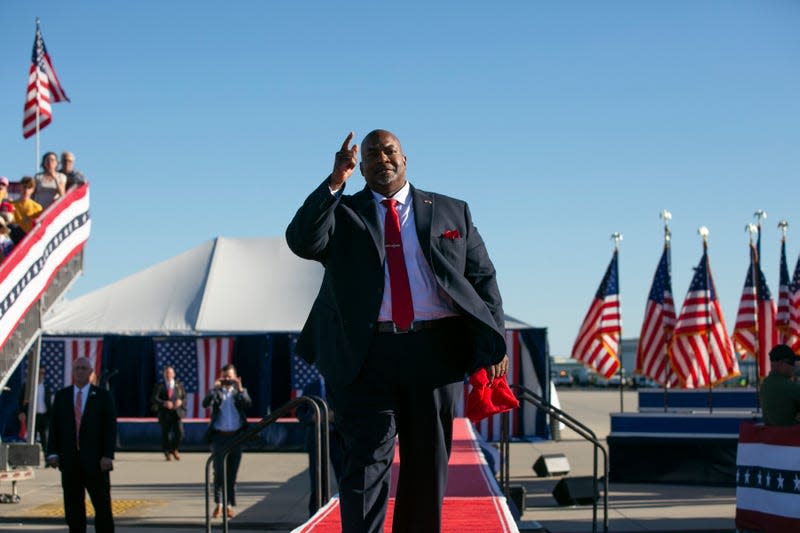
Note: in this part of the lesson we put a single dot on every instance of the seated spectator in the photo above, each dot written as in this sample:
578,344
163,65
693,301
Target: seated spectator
50,184
6,244
74,177
7,214
26,209
3,188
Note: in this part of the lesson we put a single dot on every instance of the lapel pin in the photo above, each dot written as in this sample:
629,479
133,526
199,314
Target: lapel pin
428,202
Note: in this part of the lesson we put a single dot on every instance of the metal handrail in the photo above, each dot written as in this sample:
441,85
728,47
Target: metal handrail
321,439
527,395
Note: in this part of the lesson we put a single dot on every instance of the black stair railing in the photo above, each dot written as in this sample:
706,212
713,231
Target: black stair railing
321,457
527,395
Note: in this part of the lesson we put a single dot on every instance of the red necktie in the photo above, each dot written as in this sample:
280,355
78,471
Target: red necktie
169,392
402,307
78,402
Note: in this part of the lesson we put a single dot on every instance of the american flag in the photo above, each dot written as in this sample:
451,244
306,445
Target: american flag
58,353
793,330
701,350
782,321
755,333
197,364
301,372
43,87
598,338
652,359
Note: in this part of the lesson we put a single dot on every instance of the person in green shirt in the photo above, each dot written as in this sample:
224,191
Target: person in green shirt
779,393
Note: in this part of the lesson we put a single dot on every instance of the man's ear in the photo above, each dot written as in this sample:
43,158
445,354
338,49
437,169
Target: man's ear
361,168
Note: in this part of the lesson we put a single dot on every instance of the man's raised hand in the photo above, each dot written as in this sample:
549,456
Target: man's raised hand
344,164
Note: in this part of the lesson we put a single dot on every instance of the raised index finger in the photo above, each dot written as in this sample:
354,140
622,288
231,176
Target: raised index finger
346,143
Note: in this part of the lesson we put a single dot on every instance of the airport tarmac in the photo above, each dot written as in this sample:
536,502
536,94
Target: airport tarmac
152,494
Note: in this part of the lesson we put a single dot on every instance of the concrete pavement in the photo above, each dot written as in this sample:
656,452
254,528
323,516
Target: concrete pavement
152,494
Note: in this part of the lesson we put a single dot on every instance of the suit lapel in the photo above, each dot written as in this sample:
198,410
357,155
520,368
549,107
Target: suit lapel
423,215
364,204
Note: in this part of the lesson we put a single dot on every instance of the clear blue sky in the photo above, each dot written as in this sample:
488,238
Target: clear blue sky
559,122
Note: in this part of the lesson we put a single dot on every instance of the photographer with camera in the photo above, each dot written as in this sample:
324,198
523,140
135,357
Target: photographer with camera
228,401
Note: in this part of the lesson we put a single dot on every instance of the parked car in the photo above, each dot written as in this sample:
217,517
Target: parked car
562,378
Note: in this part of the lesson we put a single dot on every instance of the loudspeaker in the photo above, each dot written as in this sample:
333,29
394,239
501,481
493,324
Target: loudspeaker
517,495
581,490
554,464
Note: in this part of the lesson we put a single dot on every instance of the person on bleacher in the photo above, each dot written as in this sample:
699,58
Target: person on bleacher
26,209
74,177
409,303
50,183
6,244
779,393
7,214
3,188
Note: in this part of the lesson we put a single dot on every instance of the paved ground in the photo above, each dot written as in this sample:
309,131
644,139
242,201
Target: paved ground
155,495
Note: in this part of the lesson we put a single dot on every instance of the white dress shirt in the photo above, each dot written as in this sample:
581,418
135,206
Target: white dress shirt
430,301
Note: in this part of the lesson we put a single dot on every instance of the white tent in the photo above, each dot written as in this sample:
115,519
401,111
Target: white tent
224,286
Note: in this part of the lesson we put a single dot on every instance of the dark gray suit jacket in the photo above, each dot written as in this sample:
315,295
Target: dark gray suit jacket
344,234
98,436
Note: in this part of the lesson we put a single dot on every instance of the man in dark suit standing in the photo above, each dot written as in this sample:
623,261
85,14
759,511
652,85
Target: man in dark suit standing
44,403
168,402
408,303
83,432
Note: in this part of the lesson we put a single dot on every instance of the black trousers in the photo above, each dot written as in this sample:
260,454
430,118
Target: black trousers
42,426
218,441
75,482
407,389
171,430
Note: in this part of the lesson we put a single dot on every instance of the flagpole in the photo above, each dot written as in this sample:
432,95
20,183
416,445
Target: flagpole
755,229
36,165
703,231
666,216
617,237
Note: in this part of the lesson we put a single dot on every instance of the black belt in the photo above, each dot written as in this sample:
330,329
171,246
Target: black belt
417,325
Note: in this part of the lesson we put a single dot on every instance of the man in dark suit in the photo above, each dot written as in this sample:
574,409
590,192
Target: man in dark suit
408,303
168,402
44,403
228,401
83,432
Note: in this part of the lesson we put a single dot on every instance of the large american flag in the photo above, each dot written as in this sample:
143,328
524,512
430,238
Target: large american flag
652,359
58,353
782,320
197,363
301,372
793,330
43,87
755,333
701,350
598,339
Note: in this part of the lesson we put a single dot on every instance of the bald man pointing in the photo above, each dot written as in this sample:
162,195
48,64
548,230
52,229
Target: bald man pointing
83,433
409,303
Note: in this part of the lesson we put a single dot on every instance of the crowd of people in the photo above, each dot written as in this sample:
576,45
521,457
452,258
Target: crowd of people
18,213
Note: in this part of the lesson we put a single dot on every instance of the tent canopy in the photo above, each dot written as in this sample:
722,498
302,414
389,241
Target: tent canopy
224,286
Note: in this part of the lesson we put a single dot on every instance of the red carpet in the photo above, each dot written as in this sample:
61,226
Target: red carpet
472,502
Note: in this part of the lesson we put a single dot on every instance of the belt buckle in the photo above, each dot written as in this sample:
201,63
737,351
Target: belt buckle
397,331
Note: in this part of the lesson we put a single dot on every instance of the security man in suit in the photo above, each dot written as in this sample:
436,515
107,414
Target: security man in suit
44,403
408,303
83,432
168,402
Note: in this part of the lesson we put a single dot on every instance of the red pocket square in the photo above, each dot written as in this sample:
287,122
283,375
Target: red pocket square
451,234
487,399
